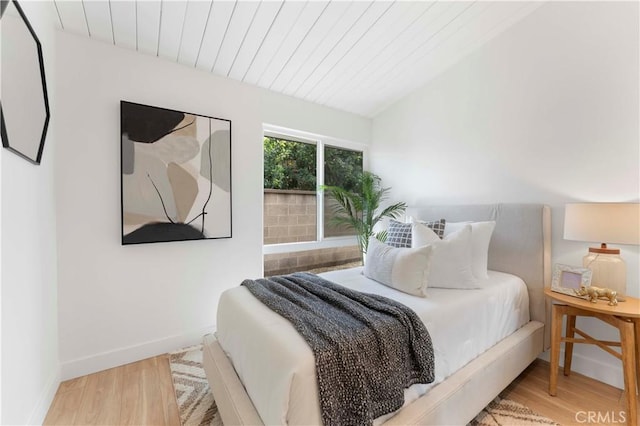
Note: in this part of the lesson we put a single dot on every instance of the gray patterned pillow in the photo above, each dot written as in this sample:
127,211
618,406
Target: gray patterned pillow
399,234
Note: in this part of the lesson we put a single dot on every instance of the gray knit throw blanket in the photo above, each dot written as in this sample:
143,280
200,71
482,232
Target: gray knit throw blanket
367,348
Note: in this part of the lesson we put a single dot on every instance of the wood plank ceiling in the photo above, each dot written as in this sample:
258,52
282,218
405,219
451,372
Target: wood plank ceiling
357,56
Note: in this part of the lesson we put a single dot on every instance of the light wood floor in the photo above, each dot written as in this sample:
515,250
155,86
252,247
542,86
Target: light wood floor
577,396
142,394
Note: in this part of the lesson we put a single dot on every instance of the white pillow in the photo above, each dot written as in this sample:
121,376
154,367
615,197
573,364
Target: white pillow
451,227
436,225
480,238
405,269
422,235
451,261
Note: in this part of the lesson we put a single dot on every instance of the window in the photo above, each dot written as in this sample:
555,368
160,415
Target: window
290,185
296,164
289,165
341,168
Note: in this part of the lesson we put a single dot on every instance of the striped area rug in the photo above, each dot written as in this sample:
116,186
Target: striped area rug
195,401
197,407
503,412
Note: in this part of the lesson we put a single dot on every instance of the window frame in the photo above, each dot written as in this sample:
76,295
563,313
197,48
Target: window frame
320,142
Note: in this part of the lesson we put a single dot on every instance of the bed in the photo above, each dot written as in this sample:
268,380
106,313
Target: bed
270,378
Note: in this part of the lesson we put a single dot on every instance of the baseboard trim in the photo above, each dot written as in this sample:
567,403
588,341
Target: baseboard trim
610,374
105,360
41,409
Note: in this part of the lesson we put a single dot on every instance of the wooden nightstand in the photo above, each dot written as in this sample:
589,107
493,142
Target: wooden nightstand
625,317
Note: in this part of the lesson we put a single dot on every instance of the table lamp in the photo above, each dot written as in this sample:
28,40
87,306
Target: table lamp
617,223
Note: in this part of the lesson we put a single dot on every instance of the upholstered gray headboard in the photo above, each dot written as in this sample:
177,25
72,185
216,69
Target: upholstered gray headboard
520,244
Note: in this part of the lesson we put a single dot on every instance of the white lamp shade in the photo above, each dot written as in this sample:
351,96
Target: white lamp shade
617,223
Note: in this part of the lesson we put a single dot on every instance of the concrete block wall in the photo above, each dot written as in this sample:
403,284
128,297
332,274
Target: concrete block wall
285,263
289,216
331,230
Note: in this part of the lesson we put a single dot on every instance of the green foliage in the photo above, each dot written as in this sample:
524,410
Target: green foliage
357,208
289,164
342,167
292,165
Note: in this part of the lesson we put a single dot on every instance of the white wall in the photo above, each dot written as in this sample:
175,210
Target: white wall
122,303
547,112
30,368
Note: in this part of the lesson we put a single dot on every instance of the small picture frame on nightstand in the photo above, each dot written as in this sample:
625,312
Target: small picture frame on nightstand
568,279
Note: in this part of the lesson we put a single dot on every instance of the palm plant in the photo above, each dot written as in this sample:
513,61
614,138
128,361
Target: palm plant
357,209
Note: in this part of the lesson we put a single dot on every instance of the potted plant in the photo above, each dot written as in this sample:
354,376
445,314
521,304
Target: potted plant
359,209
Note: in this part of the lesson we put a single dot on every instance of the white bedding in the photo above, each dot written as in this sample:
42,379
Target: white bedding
277,366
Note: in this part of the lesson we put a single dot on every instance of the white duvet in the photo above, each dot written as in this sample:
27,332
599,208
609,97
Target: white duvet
277,367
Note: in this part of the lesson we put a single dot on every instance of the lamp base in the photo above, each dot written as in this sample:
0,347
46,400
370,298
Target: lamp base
609,270
604,250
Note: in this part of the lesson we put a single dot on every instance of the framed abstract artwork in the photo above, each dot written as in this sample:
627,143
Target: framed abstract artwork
175,175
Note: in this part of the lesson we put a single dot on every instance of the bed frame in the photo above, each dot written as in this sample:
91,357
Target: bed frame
520,245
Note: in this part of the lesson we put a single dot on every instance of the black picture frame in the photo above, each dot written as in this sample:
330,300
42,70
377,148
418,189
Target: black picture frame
174,172
6,142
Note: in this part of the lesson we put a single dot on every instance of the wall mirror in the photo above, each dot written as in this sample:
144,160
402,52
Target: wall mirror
24,105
